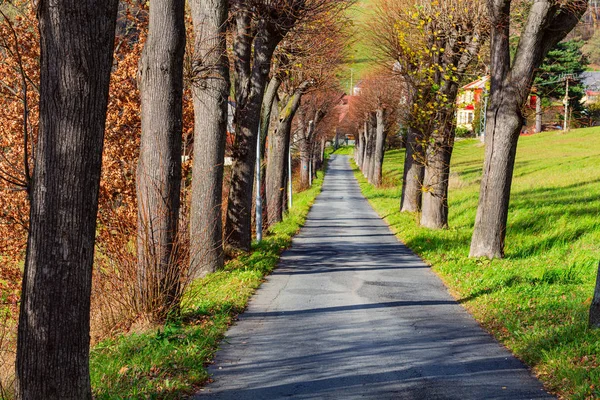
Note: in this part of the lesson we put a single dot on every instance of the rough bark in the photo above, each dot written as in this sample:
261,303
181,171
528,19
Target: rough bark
277,160
252,62
210,92
76,42
547,23
363,145
266,110
594,321
357,149
434,207
379,147
160,77
414,171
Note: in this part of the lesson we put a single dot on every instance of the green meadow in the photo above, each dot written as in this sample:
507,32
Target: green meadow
536,300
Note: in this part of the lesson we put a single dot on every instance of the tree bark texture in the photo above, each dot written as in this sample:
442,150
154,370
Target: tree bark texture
548,22
252,63
594,321
379,147
210,92
160,77
357,149
414,172
434,207
363,145
76,42
277,160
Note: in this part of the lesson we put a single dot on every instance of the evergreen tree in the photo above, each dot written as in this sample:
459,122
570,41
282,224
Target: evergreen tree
565,58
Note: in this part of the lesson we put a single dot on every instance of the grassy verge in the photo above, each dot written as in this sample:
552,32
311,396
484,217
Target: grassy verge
170,362
536,300
346,150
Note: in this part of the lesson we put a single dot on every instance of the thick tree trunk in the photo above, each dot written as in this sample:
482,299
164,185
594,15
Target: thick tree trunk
500,150
76,41
160,77
250,87
266,111
357,149
379,147
277,160
413,173
363,146
210,92
594,321
434,208
547,23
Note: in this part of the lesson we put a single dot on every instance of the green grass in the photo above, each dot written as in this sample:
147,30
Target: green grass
536,300
346,150
170,362
360,51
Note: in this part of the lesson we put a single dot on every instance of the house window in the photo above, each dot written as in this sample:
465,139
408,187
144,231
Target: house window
470,118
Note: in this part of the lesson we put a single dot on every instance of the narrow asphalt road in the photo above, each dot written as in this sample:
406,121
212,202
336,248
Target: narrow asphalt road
352,313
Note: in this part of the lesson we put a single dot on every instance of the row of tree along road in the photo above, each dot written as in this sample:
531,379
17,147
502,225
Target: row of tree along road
430,49
274,64
213,76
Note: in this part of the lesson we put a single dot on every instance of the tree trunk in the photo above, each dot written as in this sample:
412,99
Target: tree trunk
501,138
434,208
160,77
547,23
363,146
76,42
305,154
413,173
372,147
594,321
379,147
210,92
277,160
250,84
357,149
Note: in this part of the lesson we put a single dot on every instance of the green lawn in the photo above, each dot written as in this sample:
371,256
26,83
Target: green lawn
360,52
536,300
170,362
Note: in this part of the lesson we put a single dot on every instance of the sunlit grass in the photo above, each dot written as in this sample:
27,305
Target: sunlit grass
170,362
536,300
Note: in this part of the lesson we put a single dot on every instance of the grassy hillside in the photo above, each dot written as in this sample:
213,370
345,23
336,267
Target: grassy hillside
535,301
361,55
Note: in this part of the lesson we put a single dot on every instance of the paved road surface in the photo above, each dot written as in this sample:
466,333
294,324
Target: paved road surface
351,313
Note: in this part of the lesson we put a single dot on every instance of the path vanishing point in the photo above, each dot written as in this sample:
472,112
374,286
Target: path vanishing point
352,313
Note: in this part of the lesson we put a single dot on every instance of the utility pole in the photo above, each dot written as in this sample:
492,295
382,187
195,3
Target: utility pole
566,103
484,115
258,217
